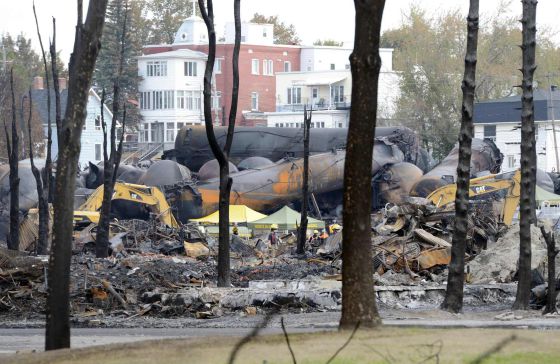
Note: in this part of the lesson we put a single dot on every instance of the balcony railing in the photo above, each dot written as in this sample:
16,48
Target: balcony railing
315,106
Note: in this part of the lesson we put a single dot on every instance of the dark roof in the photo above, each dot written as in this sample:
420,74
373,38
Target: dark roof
508,109
40,104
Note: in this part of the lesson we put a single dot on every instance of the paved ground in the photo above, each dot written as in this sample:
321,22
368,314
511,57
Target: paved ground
29,339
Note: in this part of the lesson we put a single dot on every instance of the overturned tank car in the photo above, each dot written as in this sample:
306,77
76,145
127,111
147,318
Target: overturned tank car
192,148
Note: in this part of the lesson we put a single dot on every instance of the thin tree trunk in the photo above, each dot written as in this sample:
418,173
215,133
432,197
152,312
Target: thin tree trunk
82,63
552,252
528,155
43,186
222,156
13,159
358,294
57,108
302,236
454,294
111,162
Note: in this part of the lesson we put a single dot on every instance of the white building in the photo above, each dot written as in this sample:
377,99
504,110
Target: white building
252,33
92,133
500,120
170,94
326,86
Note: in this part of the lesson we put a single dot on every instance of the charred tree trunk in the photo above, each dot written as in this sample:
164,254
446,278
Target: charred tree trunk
82,62
552,252
454,294
528,155
358,294
305,186
43,182
222,156
111,162
13,159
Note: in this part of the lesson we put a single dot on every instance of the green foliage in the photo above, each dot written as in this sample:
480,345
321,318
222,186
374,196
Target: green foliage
283,34
327,42
429,53
166,16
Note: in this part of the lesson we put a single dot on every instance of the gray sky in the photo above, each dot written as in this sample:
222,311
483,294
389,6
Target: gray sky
313,19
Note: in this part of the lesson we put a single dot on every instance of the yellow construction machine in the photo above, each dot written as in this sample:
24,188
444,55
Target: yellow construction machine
510,183
150,197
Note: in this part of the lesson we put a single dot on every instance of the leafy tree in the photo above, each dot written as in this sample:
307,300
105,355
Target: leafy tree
283,33
328,42
137,31
166,16
429,52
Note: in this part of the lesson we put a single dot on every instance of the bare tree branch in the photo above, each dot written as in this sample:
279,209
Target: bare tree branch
345,344
287,340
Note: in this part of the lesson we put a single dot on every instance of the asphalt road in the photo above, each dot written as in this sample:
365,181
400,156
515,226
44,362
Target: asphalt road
31,339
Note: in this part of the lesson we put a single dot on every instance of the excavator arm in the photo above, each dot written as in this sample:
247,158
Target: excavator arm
444,197
146,195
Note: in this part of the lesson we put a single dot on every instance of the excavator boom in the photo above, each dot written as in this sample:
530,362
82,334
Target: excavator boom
444,197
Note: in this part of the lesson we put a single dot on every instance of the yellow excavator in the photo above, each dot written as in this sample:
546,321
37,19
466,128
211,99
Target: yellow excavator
510,183
151,197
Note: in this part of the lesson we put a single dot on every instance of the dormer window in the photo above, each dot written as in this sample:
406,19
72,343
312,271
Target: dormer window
184,36
264,32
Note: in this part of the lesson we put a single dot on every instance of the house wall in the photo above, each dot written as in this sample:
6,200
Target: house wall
162,125
324,58
91,135
263,85
508,140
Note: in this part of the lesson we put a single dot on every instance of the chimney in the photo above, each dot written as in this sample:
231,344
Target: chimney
37,83
62,83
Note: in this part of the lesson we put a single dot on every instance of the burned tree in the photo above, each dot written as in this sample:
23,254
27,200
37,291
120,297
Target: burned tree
222,156
13,159
305,186
358,295
454,294
111,162
528,155
82,62
43,182
551,252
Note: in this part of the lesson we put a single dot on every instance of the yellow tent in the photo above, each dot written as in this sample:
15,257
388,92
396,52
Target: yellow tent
239,214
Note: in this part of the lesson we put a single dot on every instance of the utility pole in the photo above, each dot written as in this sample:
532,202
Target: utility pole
548,77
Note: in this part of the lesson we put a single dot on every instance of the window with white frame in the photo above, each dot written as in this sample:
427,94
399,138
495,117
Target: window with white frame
332,66
337,93
315,93
287,66
217,100
179,126
181,100
268,67
218,66
511,161
97,152
156,68
98,122
254,101
145,133
197,100
168,99
294,95
190,69
169,132
255,66
158,100
145,100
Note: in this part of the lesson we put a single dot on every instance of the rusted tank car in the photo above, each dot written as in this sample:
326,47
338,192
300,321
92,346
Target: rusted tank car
273,186
192,148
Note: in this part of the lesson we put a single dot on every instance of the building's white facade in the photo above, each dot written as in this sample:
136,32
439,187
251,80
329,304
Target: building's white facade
326,58
251,33
507,137
170,94
319,119
325,84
